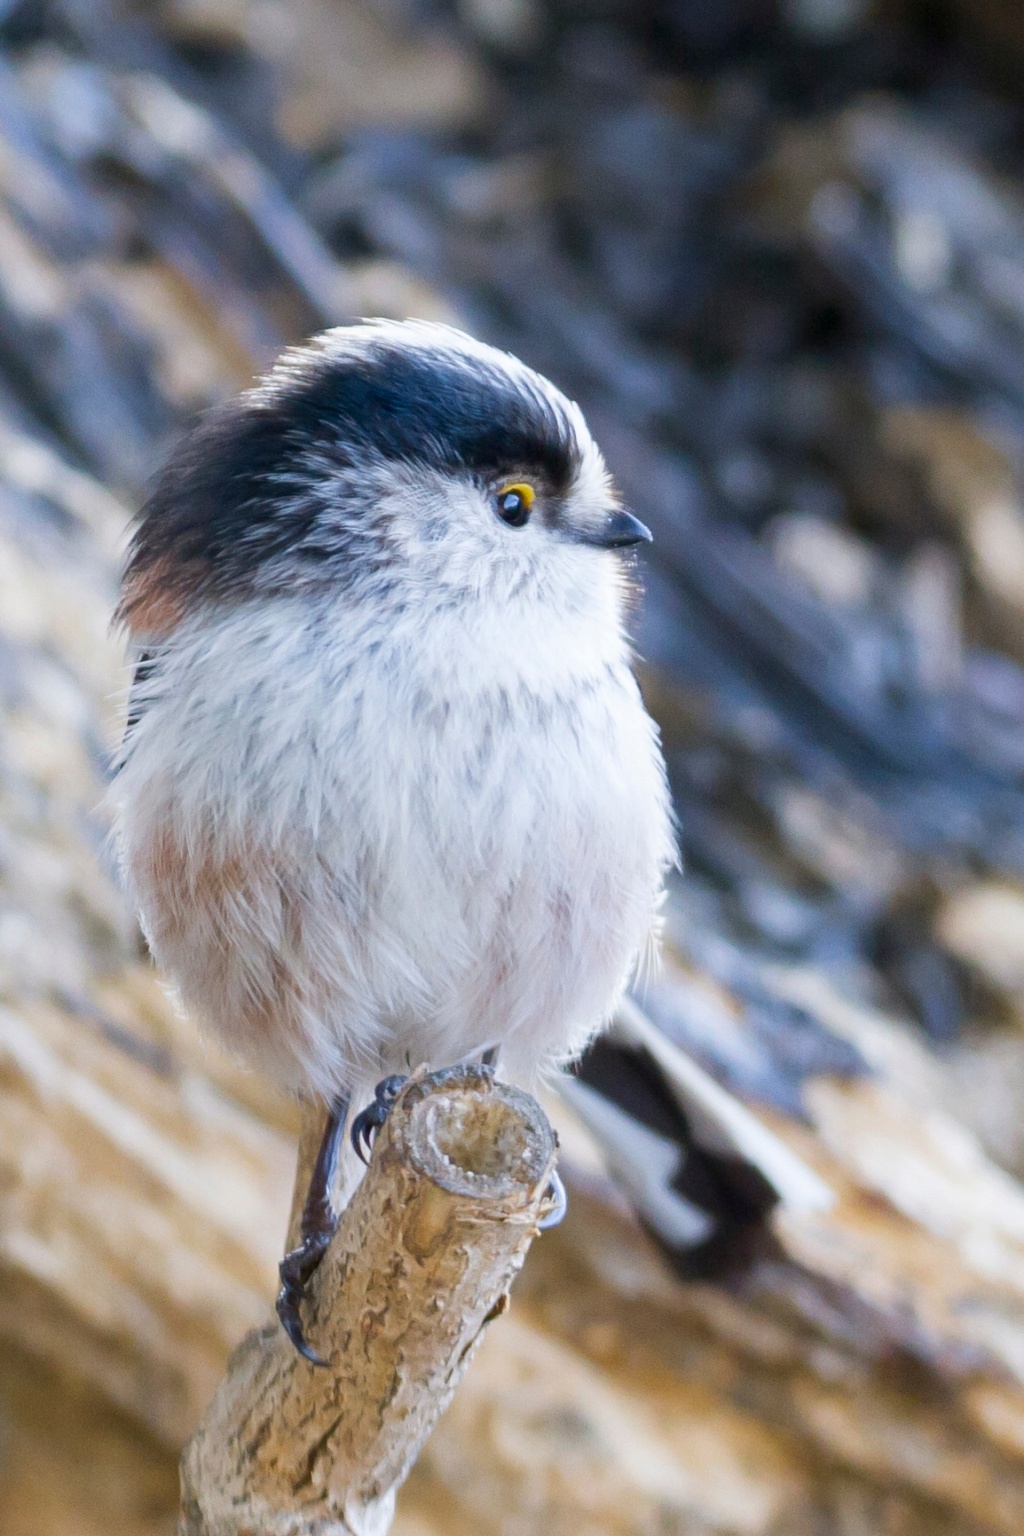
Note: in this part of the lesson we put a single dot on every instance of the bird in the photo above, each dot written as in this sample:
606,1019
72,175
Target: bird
388,792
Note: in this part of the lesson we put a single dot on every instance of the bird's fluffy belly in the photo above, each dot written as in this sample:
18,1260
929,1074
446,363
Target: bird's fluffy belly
398,880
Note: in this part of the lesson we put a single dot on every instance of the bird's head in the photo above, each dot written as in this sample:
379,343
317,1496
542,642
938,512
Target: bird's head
397,458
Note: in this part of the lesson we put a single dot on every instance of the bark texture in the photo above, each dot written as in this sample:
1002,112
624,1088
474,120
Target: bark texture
422,1261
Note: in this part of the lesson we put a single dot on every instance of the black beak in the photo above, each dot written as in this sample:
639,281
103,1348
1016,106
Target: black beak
618,531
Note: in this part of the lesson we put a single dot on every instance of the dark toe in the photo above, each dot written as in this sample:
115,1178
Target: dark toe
297,1267
388,1089
288,1300
296,1270
366,1124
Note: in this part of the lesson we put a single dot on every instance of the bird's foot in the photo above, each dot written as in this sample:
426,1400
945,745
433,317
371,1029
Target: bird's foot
559,1205
366,1124
296,1269
318,1225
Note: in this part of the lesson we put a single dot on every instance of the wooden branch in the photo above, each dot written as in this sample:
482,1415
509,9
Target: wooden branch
422,1261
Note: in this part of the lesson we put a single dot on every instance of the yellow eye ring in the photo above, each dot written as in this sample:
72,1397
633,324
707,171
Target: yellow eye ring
515,502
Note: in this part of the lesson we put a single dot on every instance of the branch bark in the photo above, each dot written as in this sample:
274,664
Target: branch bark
422,1260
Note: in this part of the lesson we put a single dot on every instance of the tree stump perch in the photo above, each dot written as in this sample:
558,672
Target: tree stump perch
422,1260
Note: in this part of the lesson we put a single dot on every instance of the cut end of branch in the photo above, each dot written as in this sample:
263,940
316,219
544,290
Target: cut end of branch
474,1136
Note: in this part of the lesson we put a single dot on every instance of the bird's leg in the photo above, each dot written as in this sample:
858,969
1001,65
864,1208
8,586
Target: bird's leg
318,1225
366,1124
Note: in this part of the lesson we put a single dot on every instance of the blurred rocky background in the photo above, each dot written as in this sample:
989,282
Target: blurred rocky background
776,250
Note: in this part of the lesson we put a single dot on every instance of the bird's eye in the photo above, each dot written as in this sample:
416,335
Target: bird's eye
514,503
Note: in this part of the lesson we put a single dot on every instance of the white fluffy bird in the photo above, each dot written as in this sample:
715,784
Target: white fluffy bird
388,792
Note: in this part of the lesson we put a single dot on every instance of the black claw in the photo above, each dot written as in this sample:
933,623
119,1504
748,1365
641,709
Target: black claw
369,1121
288,1300
559,1205
363,1126
361,1135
